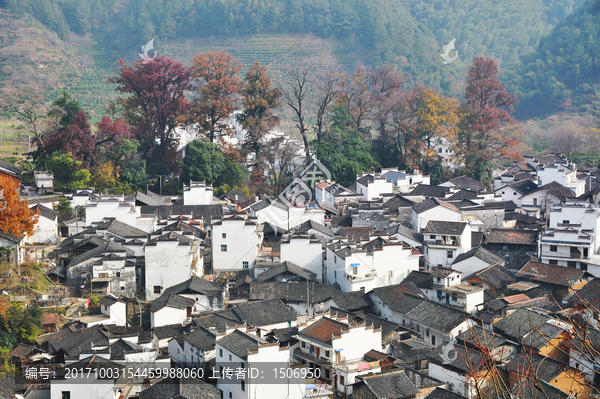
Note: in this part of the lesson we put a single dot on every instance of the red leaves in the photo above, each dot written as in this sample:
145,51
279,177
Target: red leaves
16,218
219,85
76,138
156,105
487,96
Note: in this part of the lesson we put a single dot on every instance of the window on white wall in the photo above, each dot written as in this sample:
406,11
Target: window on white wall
223,248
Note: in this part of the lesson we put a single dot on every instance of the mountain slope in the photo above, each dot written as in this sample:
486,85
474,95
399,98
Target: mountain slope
563,73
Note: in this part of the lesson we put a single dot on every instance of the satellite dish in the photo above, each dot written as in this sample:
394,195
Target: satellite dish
5,293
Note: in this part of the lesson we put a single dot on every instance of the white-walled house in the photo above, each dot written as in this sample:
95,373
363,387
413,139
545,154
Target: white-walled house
305,252
285,216
404,181
117,272
266,316
392,302
169,260
539,201
476,260
433,209
444,242
373,186
337,349
564,174
374,264
235,242
238,349
115,206
437,323
571,238
89,387
194,349
114,311
46,228
197,193
516,190
329,194
182,300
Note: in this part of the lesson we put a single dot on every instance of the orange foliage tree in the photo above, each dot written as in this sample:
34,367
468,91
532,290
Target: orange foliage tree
16,218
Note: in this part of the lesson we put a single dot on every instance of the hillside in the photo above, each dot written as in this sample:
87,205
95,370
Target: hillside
563,73
75,43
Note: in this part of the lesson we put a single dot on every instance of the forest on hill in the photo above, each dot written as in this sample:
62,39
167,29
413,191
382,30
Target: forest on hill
547,50
408,35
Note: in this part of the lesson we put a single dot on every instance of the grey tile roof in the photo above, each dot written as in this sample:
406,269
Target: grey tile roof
468,183
293,291
285,335
400,297
431,203
437,316
46,212
496,276
481,253
523,187
240,343
551,274
286,268
476,238
264,313
181,226
100,251
556,189
520,322
94,362
194,285
353,300
420,278
172,236
406,232
392,384
442,393
218,320
312,225
23,350
462,194
202,339
207,212
72,344
589,292
512,236
144,199
168,331
398,201
341,221
231,195
427,190
176,388
544,367
365,180
439,227
108,301
121,229
12,169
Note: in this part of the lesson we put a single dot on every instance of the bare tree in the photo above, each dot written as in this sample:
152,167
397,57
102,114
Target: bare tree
278,162
29,104
297,85
327,92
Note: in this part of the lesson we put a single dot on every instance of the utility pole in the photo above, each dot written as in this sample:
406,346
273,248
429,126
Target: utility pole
29,137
